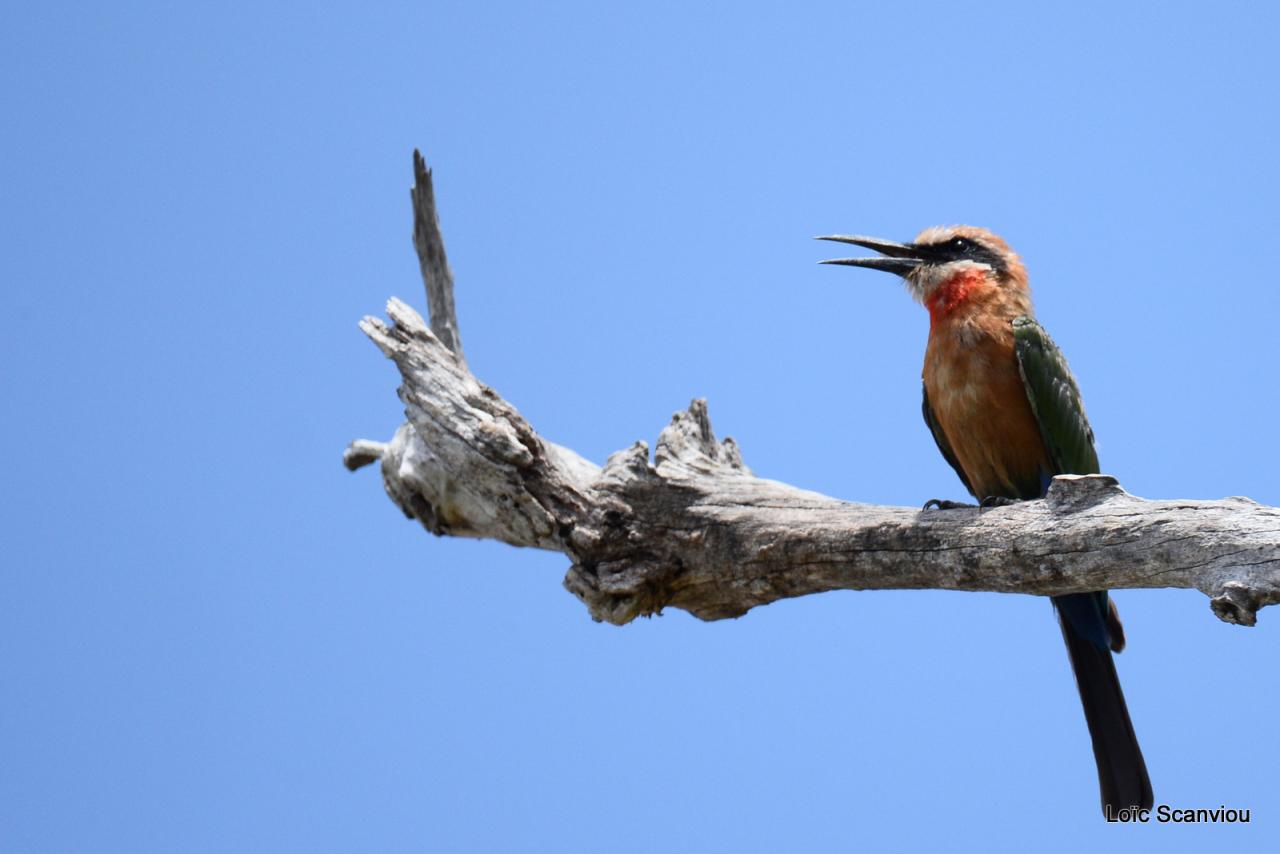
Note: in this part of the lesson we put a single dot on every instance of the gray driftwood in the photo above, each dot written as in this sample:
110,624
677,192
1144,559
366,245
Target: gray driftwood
691,527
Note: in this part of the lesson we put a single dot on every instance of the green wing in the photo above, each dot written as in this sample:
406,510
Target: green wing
943,445
1055,399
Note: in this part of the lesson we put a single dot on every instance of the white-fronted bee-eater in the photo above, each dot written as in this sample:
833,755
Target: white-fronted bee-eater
1007,415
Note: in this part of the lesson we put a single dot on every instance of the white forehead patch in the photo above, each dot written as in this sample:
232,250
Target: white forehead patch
938,234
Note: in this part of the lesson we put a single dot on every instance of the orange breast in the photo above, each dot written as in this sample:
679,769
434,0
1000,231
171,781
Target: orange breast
975,390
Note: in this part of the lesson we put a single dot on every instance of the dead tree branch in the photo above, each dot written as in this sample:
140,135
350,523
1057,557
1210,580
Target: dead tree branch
693,528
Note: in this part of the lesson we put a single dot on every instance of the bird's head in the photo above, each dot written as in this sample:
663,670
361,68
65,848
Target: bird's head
944,263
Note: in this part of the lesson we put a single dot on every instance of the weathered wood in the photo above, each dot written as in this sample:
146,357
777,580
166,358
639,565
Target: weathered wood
429,244
693,528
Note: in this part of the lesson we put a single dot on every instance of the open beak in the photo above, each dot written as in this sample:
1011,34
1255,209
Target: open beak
900,258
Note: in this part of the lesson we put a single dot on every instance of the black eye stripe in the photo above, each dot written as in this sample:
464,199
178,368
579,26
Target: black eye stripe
965,249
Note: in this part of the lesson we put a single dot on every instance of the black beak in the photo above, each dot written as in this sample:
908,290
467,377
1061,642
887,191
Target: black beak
900,258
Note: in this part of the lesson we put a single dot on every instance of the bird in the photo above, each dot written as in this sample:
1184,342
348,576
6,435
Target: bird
1007,415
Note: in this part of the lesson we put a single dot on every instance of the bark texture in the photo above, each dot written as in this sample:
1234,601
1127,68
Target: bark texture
691,527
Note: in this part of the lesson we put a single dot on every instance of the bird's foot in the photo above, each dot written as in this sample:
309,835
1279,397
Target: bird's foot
986,503
942,504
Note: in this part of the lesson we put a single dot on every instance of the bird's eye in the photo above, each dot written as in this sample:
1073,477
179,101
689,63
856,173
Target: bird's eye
959,244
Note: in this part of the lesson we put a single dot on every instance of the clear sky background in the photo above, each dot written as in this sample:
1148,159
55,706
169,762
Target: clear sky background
214,638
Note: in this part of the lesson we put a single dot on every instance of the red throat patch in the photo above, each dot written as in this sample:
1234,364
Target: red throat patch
949,295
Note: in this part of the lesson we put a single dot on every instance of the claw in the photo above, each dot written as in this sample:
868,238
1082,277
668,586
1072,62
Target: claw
942,504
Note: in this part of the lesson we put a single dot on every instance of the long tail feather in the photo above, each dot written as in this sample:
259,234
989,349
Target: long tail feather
1122,772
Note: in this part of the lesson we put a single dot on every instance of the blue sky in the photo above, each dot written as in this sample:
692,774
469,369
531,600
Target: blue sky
213,638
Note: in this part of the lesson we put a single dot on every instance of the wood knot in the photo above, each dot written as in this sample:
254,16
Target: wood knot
1236,604
1070,492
